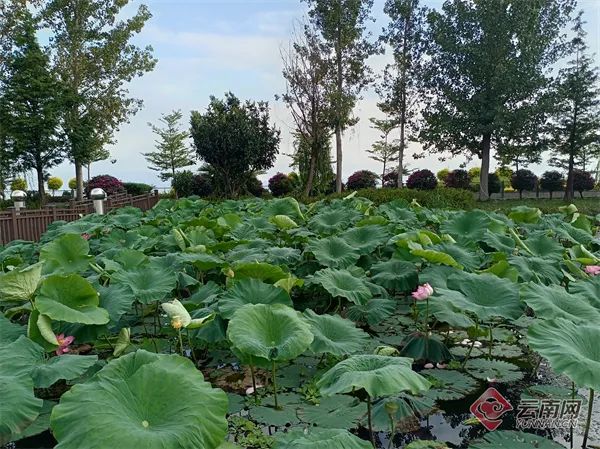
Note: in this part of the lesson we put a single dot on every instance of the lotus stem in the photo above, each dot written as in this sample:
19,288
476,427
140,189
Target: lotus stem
191,345
573,398
468,355
254,384
180,342
370,420
589,419
393,430
491,344
274,380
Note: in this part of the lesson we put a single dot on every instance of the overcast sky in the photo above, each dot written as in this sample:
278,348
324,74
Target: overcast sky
209,47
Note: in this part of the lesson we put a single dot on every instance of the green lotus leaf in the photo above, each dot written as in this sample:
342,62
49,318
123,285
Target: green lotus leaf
543,246
123,342
373,312
41,423
333,252
365,239
502,372
571,348
447,312
588,288
259,270
448,385
332,220
39,329
485,295
284,206
503,270
283,222
20,285
117,299
426,444
525,214
550,302
406,406
320,439
145,400
466,227
283,255
251,291
469,257
66,254
429,348
537,269
396,275
203,261
334,412
342,283
273,332
511,439
289,283
70,298
499,242
436,257
67,367
334,334
147,284
9,331
378,375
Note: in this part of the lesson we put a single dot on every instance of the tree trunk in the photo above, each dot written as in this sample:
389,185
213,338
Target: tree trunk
569,190
79,179
311,173
338,162
41,190
485,167
401,154
89,171
338,119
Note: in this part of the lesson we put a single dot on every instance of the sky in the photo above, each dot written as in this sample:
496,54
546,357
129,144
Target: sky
209,47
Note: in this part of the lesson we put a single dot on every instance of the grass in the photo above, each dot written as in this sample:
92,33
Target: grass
590,206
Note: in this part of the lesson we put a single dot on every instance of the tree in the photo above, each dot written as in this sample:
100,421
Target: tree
172,152
488,73
54,183
523,180
552,181
342,27
31,104
307,95
422,179
235,140
362,179
582,181
400,90
577,121
458,179
95,59
383,151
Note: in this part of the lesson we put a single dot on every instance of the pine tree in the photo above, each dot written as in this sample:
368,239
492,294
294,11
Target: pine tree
384,151
577,122
172,152
31,104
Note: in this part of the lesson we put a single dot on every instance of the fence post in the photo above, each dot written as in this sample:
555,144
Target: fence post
13,216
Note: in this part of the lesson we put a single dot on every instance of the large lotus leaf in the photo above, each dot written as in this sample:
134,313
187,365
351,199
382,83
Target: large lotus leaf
426,444
283,256
117,299
41,423
65,367
396,275
420,347
378,375
543,246
588,288
467,257
334,334
572,349
333,220
466,227
498,370
142,400
342,283
511,439
39,329
259,270
320,439
537,269
20,285
437,275
366,238
525,214
373,312
448,385
503,270
334,412
406,405
283,222
251,291
273,332
66,254
447,312
333,252
18,407
284,206
499,242
70,298
9,331
203,261
436,257
550,302
485,295
147,284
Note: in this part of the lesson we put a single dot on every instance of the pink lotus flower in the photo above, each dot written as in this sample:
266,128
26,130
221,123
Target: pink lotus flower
428,366
86,236
422,292
63,343
593,270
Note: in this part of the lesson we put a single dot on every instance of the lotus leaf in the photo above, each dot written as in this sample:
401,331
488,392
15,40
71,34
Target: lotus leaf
335,335
320,439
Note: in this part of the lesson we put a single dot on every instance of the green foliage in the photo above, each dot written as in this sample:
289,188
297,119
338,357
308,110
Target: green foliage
54,183
552,181
523,180
171,152
236,140
422,180
137,188
18,184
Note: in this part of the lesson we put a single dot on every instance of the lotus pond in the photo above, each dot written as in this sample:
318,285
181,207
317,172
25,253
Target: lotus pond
273,324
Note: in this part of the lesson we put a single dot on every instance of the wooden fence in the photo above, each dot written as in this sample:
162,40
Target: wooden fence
30,224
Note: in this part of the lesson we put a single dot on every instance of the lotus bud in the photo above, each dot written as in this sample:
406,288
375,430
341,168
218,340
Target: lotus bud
229,273
391,408
428,366
386,350
441,366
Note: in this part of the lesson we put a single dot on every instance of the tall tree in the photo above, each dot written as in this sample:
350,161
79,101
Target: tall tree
172,151
577,122
399,91
95,59
488,68
305,69
342,27
31,104
383,150
235,140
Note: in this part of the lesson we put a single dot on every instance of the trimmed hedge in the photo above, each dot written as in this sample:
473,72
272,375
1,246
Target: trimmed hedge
137,188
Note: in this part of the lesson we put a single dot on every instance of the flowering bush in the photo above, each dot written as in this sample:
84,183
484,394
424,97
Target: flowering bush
457,179
582,181
109,184
362,179
280,184
523,180
422,179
